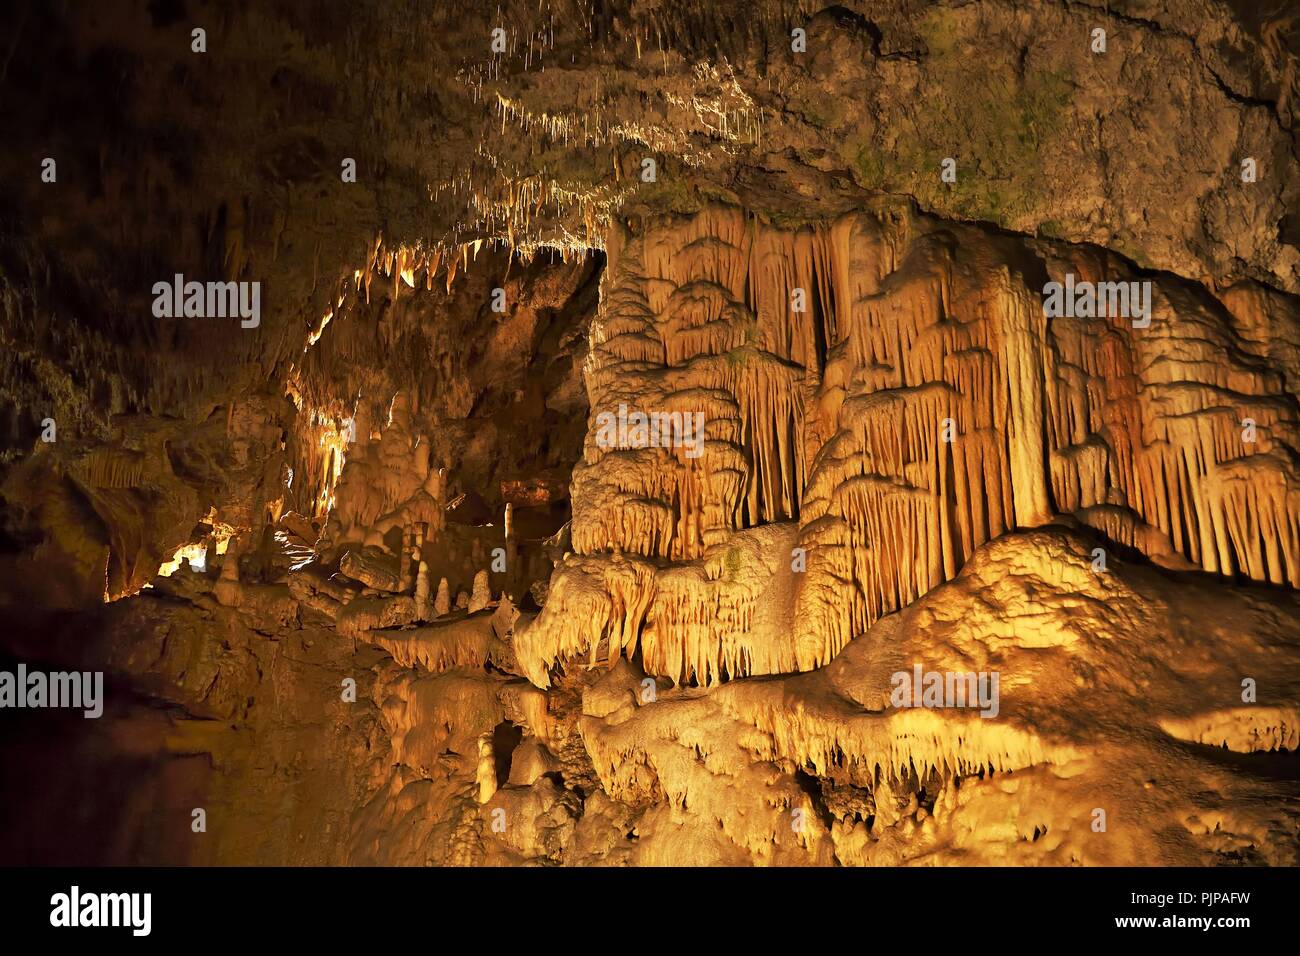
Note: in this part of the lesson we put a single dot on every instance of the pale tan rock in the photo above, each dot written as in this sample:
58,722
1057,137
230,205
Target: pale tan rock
482,596
540,589
461,642
530,761
505,618
376,613
486,774
387,483
373,568
300,526
422,602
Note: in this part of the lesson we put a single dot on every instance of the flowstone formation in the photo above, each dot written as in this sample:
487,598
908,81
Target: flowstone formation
822,766
706,433
882,395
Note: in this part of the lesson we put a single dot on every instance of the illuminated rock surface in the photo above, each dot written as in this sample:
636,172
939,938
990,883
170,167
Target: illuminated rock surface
401,575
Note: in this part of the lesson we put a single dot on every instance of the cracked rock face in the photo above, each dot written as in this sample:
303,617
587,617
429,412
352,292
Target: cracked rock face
694,434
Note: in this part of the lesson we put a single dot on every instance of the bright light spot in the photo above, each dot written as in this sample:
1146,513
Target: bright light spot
197,554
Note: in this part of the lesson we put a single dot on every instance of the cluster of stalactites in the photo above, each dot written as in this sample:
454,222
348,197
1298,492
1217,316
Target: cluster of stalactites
1169,424
922,405
730,318
893,746
318,451
936,447
965,412
421,265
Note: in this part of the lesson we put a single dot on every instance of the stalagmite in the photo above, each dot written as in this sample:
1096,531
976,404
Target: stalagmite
442,603
422,603
487,771
482,595
409,557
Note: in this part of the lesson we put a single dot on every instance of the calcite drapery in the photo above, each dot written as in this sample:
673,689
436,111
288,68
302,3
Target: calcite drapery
891,388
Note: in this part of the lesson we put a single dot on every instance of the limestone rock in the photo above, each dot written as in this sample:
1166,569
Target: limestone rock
422,602
482,596
373,568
